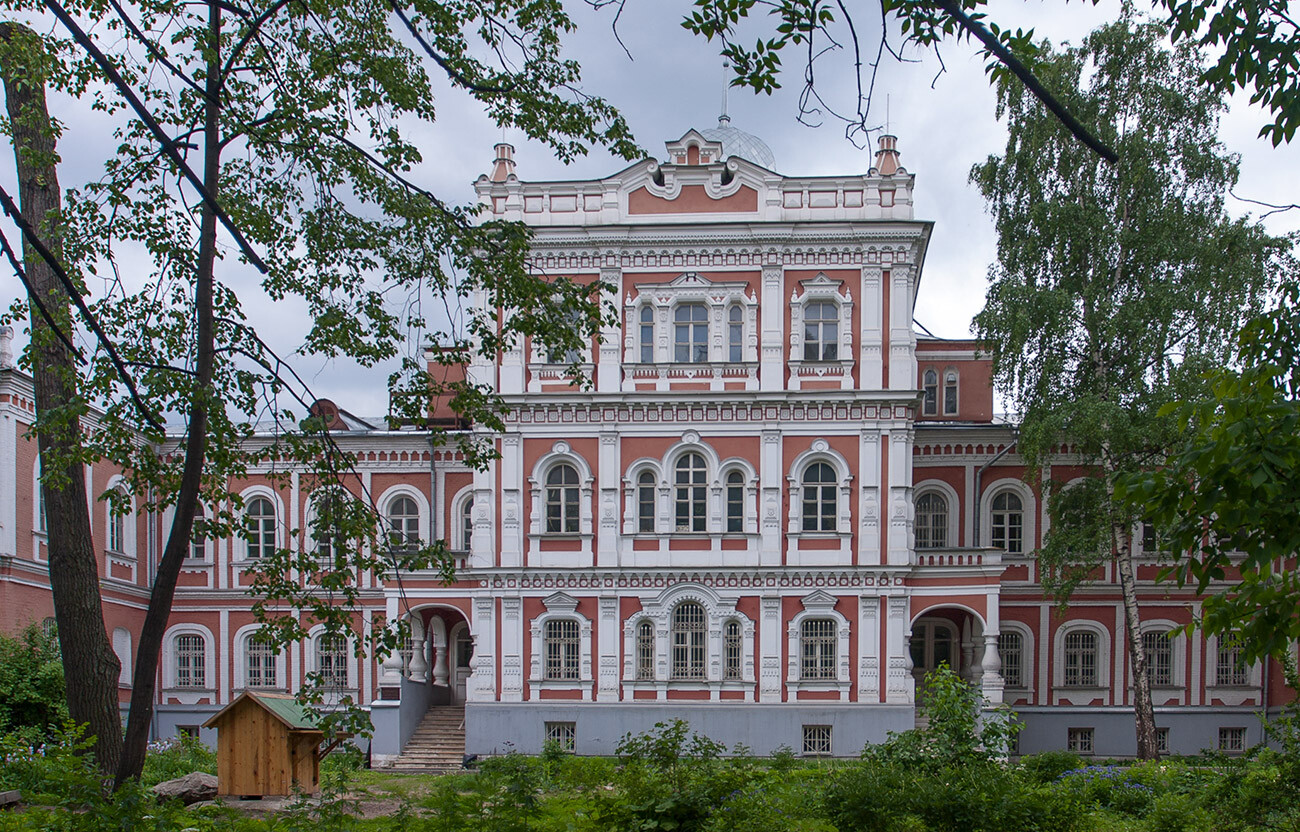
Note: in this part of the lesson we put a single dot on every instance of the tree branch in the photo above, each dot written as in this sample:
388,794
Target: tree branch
36,298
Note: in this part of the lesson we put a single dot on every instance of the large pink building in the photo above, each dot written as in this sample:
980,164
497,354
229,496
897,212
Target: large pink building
771,511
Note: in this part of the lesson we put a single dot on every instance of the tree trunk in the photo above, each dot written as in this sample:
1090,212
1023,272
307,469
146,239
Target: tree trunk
89,663
1143,709
196,440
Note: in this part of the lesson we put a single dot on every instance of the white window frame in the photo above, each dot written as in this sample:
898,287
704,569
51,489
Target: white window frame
350,664
560,453
658,612
819,604
410,540
120,525
949,496
1230,694
929,392
1029,512
122,647
1027,654
696,491
1082,694
462,538
820,452
1177,652
821,288
560,605
248,495
690,287
950,373
687,672
632,513
170,640
241,644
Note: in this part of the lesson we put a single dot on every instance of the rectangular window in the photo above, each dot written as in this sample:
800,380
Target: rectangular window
1230,670
1159,652
731,649
332,660
562,649
564,734
645,505
260,666
187,731
691,334
1162,740
816,740
819,645
191,670
1081,659
1010,646
1079,740
1232,740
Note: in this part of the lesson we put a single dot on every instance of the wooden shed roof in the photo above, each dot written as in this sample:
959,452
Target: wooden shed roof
282,706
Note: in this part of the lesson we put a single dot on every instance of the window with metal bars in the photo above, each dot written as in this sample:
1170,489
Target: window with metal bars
563,734
1081,659
647,334
191,661
688,641
820,498
259,664
332,660
821,331
735,502
1232,740
1079,740
1159,651
931,521
735,334
259,527
562,499
1162,740
1008,526
818,646
930,393
731,650
816,740
691,479
561,642
1011,647
645,651
1230,669
691,334
645,502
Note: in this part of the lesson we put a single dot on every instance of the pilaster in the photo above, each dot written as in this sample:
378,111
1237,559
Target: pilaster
771,374
512,524
900,685
512,650
872,373
770,477
869,553
868,648
608,481
609,638
608,367
769,637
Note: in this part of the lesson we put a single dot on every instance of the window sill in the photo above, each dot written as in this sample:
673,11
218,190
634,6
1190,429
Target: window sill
560,535
560,684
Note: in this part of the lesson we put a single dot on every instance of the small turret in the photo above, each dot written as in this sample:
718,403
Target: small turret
887,156
504,165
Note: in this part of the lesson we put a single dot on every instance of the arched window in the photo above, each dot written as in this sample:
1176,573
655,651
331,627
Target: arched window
735,502
1080,659
647,334
1011,646
821,328
688,651
820,498
332,660
325,509
930,391
404,524
691,504
1230,669
931,521
259,664
199,535
950,392
191,661
818,643
691,333
562,650
466,523
735,334
645,651
1159,651
1008,526
39,489
731,649
117,523
645,502
562,499
50,628
259,527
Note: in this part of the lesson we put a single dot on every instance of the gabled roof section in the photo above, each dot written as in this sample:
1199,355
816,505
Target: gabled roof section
283,707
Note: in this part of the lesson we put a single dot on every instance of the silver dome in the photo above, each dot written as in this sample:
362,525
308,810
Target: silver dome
736,142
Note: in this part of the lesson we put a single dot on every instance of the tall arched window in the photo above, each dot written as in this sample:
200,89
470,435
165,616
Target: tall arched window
821,328
818,645
647,334
259,527
404,524
1011,646
1159,651
466,523
931,521
191,661
950,392
645,650
199,534
735,334
691,475
259,664
691,333
645,502
735,502
688,632
930,393
563,649
1080,659
332,660
820,498
1008,526
562,499
731,651
117,524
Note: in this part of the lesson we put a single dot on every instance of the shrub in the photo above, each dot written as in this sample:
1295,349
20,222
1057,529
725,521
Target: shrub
56,772
177,757
1047,767
31,683
1176,813
1112,787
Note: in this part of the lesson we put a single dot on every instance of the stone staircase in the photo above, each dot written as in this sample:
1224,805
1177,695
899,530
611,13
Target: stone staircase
438,744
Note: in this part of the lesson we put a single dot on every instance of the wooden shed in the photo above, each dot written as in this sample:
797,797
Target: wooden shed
266,745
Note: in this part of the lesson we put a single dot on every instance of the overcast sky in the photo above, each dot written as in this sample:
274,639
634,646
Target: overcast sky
673,81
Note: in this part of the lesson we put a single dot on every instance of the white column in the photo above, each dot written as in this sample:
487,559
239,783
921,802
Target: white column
771,373
609,370
902,337
770,477
769,637
438,641
610,638
608,478
482,683
868,648
224,651
512,650
512,503
992,683
418,670
872,372
869,508
900,687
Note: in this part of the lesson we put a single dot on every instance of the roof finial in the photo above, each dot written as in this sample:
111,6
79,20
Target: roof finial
726,73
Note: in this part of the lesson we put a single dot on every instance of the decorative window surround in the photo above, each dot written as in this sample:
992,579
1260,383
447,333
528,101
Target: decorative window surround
1027,656
189,695
821,288
332,694
1029,512
241,643
547,373
1177,658
820,452
561,452
949,495
664,470
241,538
819,604
560,605
1077,695
718,611
718,297
1229,695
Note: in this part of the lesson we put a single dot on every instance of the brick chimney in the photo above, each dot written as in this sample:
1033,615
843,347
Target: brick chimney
504,165
887,156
